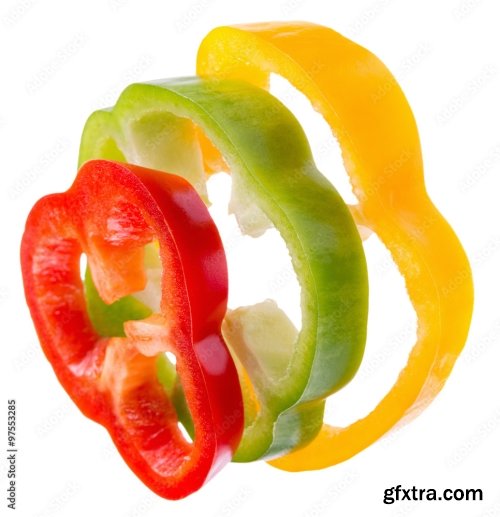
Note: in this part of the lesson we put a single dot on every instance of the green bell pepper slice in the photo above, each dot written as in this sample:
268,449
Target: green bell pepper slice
275,182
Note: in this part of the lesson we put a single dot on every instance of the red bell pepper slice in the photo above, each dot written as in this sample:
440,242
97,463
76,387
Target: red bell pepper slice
110,213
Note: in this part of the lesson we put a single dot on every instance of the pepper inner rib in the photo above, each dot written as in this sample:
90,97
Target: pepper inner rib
145,329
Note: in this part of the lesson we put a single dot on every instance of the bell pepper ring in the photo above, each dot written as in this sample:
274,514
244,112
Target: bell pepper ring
110,213
285,375
374,125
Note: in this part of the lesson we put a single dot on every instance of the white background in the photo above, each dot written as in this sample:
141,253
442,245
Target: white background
61,60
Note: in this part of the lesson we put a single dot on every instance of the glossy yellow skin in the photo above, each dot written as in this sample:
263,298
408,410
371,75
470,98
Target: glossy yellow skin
373,122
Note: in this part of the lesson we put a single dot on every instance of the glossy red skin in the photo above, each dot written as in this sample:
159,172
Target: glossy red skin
140,418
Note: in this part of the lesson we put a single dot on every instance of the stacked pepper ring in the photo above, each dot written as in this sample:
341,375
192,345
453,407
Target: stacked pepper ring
289,374
370,116
110,213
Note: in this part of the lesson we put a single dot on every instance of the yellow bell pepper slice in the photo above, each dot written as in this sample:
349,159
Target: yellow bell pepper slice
372,120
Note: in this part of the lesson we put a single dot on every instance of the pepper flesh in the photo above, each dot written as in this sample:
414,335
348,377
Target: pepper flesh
370,116
275,182
110,213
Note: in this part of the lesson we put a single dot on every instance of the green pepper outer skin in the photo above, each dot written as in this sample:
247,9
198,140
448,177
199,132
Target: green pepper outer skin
265,146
